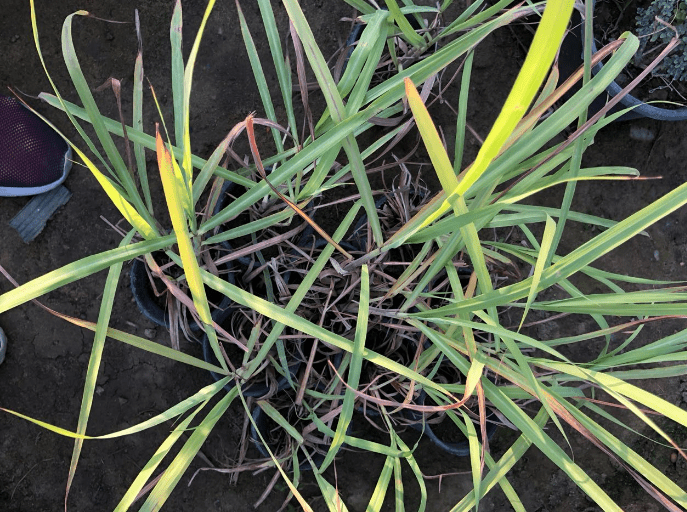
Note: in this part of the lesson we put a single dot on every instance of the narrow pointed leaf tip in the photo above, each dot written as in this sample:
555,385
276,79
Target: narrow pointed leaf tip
430,136
170,185
537,64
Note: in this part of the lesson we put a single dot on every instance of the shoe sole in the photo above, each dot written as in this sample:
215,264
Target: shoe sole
33,191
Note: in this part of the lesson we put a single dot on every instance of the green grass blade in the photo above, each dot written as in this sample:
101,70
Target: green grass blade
176,469
186,193
84,92
146,140
207,171
276,416
283,72
321,172
461,120
281,421
138,218
137,123
398,486
467,20
324,166
106,304
489,326
353,370
144,475
409,33
619,388
78,270
260,79
331,495
176,42
416,471
530,429
361,5
59,102
602,276
643,467
498,471
204,394
516,415
150,346
250,227
475,457
174,193
579,258
542,51
370,46
337,111
543,259
377,499
362,52
362,444
430,137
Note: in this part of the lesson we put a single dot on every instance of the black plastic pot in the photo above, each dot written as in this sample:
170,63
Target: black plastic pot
358,237
407,417
253,389
357,31
223,202
572,57
261,420
402,355
151,309
257,389
459,448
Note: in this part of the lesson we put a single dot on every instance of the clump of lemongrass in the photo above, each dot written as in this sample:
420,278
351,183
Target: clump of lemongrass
501,159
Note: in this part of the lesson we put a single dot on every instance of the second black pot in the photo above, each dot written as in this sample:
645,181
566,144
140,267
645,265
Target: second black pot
571,58
148,304
256,387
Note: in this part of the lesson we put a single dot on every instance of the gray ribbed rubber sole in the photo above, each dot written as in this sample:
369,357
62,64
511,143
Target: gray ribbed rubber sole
31,220
34,191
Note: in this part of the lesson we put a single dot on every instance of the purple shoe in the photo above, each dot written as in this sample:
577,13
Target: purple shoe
33,157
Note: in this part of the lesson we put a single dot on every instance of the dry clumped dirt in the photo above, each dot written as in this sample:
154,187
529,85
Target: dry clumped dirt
47,358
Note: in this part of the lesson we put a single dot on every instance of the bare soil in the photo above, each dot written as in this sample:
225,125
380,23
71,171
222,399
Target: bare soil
47,357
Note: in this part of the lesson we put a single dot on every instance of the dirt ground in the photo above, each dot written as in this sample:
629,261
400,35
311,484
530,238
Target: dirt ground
47,358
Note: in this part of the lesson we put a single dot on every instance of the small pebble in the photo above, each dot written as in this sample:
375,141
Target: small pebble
673,457
122,400
99,390
657,255
14,38
642,134
150,333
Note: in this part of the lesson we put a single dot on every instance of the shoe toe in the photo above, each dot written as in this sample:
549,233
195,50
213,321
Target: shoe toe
32,155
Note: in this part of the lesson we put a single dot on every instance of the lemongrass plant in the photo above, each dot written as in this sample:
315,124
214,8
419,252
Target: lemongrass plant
455,323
